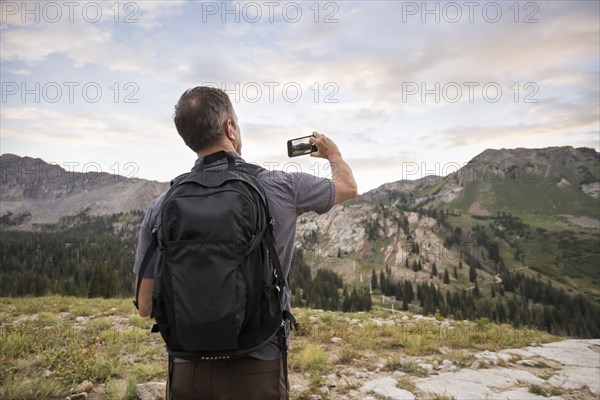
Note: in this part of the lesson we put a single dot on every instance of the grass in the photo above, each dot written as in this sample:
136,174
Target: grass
545,391
45,337
406,365
461,358
406,383
443,396
33,388
46,349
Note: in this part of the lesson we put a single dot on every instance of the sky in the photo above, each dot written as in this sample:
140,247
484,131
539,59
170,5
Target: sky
405,88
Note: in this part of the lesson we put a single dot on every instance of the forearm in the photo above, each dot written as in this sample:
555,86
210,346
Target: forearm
145,297
343,179
341,175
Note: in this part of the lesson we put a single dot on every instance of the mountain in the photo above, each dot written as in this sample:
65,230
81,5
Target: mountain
531,210
513,235
561,182
34,192
533,183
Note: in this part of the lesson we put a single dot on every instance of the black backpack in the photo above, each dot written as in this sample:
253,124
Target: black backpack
218,278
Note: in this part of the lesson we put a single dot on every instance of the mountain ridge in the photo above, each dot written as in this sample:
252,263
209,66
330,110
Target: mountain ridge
514,239
36,192
26,178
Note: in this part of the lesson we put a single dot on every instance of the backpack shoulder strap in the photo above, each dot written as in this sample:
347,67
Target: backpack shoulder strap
254,170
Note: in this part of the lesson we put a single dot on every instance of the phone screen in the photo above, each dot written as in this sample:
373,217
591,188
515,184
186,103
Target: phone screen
300,147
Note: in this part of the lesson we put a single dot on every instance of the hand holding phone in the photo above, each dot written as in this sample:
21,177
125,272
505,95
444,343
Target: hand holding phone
300,146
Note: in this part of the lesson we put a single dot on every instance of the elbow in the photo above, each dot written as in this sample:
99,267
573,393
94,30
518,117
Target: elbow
353,191
350,190
145,311
345,192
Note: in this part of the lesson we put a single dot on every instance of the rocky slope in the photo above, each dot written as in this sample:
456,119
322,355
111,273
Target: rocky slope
519,199
35,192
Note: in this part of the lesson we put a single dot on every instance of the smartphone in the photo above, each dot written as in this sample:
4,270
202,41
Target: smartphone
300,146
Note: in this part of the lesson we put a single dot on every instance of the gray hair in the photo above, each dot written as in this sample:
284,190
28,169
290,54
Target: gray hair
200,115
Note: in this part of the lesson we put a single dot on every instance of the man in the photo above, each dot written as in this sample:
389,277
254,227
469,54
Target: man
207,122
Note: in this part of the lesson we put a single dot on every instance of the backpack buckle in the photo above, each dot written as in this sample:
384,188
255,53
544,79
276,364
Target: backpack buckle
271,224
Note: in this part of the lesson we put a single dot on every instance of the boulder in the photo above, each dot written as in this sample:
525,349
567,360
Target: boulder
151,390
386,388
477,384
85,386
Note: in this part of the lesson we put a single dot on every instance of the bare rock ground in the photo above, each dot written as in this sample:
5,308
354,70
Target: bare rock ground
568,369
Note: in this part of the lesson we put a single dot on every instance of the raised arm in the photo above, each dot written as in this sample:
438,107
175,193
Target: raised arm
342,177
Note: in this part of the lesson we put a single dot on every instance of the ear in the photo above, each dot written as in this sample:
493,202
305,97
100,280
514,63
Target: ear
229,129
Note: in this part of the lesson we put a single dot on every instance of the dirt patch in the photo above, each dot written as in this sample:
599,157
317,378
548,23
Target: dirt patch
585,222
477,209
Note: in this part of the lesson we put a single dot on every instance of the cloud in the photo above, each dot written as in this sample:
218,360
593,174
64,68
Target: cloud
556,125
150,14
73,129
112,41
368,54
21,71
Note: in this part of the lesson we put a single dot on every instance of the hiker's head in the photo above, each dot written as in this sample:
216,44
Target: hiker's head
205,118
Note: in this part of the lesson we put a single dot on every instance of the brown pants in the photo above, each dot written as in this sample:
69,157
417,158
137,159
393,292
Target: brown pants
242,379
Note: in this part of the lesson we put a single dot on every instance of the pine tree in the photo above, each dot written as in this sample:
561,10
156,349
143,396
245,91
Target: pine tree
415,266
415,248
500,312
428,304
102,284
408,292
373,280
472,274
434,270
346,304
382,282
366,301
355,302
446,277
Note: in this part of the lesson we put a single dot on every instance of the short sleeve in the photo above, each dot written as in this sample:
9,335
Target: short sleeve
312,193
145,238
